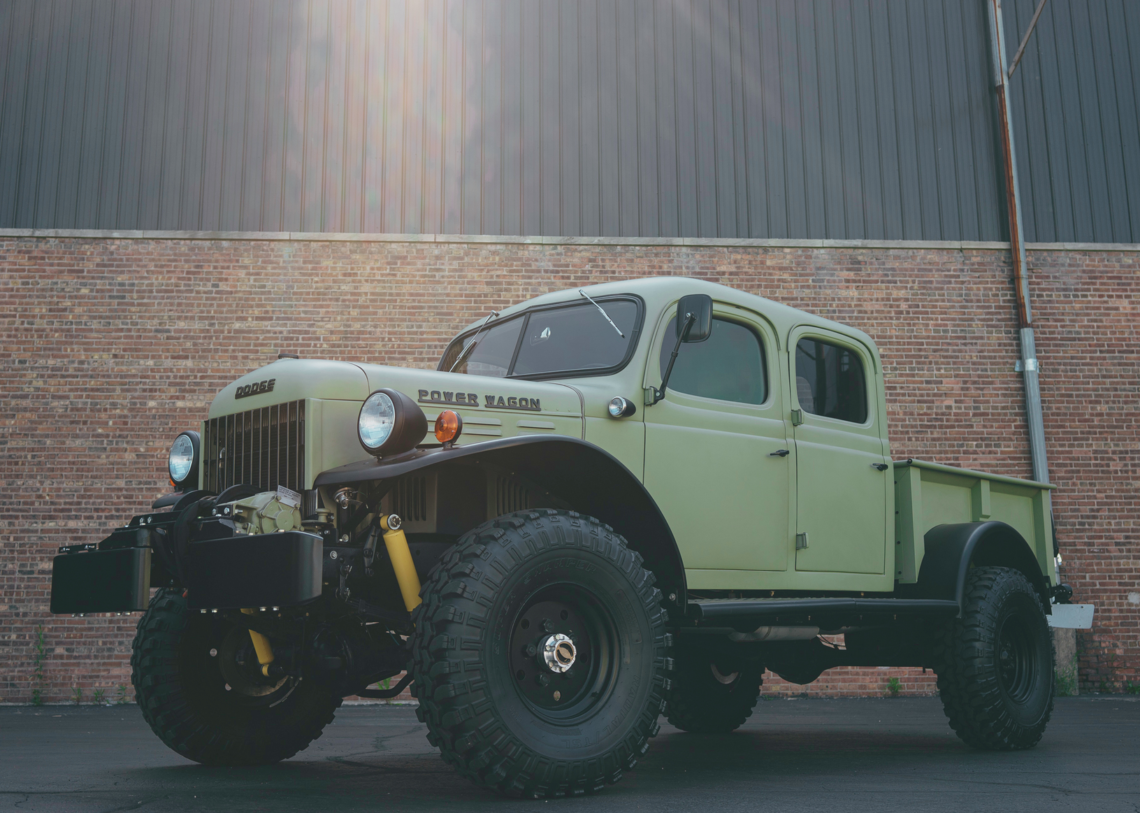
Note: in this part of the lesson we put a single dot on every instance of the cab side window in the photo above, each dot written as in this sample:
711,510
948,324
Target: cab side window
830,381
728,365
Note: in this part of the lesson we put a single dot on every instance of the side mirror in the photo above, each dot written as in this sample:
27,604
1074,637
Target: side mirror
699,306
694,324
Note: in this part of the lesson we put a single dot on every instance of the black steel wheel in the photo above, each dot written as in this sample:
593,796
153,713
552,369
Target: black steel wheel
714,688
198,682
540,655
995,663
562,652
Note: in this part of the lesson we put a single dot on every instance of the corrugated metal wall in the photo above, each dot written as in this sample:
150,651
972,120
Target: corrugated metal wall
1075,98
729,118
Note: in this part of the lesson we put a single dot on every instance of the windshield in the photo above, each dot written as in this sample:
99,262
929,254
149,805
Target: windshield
575,338
492,354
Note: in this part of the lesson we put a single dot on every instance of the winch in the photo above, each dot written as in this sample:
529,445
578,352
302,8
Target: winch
263,513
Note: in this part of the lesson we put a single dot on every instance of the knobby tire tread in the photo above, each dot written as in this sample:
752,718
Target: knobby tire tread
693,708
449,634
967,681
157,677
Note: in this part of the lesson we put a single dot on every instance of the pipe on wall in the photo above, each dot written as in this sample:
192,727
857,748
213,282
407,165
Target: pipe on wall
1028,365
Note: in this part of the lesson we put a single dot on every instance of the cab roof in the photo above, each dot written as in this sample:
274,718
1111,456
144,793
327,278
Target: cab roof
660,292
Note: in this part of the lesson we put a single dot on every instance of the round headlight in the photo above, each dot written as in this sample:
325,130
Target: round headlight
377,417
183,461
390,423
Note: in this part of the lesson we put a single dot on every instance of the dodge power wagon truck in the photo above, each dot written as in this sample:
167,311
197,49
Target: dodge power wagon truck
606,504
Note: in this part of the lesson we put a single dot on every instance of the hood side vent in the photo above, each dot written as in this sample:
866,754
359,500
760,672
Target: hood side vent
507,496
414,500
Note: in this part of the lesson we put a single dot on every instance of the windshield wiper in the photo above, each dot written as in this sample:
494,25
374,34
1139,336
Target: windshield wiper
474,341
599,307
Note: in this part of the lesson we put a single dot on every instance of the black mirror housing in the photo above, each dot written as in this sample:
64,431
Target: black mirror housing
694,324
700,306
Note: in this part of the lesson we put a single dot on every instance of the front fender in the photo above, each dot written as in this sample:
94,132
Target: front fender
585,476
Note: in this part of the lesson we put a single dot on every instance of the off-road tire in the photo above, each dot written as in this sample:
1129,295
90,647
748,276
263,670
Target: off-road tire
468,625
989,707
183,694
712,692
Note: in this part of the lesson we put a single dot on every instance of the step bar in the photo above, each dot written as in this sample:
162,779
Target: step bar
744,614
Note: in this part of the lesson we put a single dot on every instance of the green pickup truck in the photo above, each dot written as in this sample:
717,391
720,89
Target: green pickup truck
605,504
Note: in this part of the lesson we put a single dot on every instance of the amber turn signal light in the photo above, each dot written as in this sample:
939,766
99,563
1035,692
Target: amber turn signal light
448,427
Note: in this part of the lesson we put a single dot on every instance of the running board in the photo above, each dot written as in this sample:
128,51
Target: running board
746,614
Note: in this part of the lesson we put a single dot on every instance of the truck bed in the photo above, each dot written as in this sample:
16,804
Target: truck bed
931,494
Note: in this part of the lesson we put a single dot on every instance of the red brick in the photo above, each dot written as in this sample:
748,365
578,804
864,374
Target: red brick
109,348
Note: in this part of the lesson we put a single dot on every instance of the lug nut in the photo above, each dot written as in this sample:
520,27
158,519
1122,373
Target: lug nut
531,650
546,625
543,680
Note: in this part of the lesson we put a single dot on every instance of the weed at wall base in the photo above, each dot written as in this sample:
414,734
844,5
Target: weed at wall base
38,674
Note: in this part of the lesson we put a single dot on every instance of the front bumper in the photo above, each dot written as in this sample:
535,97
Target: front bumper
263,570
281,569
101,581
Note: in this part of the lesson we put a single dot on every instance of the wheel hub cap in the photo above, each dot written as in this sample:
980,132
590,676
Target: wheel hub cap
558,653
724,678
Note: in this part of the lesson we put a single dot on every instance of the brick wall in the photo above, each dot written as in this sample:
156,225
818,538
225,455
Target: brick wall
108,348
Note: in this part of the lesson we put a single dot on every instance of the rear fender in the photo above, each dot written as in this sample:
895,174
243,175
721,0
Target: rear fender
951,550
583,476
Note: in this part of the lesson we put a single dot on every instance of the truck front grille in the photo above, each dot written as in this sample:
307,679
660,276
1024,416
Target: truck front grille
263,448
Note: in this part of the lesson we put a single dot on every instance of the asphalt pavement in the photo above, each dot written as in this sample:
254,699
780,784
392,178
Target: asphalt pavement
834,755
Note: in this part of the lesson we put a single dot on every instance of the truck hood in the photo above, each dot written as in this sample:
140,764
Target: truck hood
292,380
296,379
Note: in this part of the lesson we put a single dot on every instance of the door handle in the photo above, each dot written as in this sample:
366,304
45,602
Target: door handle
781,453
880,466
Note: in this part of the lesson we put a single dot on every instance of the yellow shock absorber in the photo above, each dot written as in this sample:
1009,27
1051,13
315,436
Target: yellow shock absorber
401,556
260,646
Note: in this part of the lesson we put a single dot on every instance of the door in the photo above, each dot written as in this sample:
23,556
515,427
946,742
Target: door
841,472
708,447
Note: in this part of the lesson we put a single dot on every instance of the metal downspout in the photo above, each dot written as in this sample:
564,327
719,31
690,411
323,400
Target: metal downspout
1028,364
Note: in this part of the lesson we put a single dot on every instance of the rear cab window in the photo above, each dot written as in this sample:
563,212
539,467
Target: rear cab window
830,381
